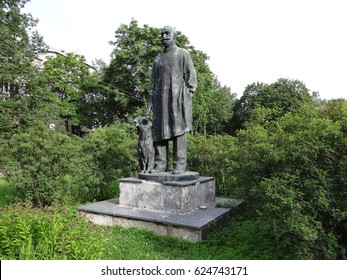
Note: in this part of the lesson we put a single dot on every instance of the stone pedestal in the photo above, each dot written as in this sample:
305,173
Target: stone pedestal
179,197
169,176
167,204
192,227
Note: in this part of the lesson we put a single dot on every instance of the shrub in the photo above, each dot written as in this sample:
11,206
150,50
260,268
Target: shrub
114,151
48,234
293,174
47,166
7,193
214,157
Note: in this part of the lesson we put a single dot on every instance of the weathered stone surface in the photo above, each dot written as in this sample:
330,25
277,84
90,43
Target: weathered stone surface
170,208
193,227
173,197
169,176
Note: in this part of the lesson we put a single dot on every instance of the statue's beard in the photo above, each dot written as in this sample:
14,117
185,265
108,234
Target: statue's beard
167,42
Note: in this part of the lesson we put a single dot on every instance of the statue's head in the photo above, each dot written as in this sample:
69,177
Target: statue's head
168,35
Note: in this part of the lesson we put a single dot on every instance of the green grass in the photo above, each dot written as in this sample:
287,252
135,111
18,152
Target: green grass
7,193
53,233
240,239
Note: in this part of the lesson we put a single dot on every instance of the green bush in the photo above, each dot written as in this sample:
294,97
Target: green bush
114,151
214,157
48,234
293,175
7,193
47,166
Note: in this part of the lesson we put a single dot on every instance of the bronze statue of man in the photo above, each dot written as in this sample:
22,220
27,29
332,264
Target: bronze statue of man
173,82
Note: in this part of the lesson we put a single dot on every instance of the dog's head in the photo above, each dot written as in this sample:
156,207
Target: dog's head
137,121
142,121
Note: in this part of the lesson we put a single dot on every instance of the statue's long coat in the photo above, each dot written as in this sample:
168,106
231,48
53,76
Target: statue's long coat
173,81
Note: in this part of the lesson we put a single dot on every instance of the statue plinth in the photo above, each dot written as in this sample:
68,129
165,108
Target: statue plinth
170,196
169,176
168,208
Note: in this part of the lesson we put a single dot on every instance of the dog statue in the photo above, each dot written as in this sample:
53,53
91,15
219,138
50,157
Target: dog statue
145,143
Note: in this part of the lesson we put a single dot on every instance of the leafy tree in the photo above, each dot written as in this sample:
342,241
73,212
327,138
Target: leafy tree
63,75
129,71
281,97
75,93
335,110
222,114
18,46
128,75
92,108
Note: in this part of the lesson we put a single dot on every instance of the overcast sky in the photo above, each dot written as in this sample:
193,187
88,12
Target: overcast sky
247,40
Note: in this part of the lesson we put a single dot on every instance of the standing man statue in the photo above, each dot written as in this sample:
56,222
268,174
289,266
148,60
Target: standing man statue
173,82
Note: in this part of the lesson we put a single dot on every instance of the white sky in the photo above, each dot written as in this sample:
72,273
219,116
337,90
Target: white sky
247,40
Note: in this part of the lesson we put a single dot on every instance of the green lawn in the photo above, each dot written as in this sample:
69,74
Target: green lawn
240,239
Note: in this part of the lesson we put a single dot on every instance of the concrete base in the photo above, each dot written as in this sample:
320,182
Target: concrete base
193,226
183,209
179,197
169,176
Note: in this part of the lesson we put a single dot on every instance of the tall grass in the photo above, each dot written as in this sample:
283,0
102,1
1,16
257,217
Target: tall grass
49,234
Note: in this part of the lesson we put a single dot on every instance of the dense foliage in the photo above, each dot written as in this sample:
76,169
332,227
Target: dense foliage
215,157
114,150
293,175
19,44
18,47
73,91
291,171
266,102
55,233
46,166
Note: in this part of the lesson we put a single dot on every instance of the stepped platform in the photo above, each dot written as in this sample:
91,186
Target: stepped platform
185,209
